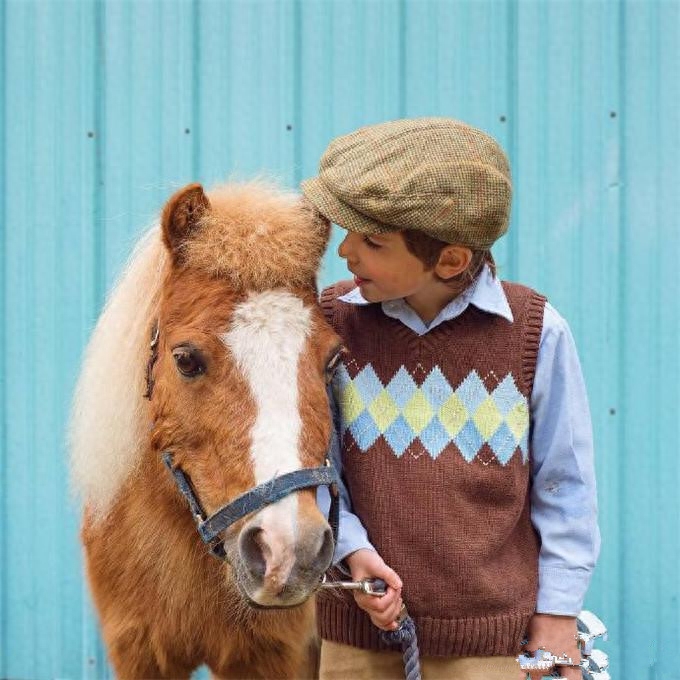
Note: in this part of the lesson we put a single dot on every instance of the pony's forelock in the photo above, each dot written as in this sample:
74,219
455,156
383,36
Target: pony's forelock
108,419
258,237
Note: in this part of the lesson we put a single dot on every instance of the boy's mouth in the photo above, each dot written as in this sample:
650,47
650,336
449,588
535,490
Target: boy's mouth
358,280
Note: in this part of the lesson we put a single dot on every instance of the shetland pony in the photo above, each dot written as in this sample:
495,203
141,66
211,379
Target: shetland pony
237,384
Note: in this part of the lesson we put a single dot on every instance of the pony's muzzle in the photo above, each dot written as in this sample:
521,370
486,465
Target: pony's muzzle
283,561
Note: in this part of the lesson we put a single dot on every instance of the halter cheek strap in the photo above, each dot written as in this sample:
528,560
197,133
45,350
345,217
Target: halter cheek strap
210,528
153,358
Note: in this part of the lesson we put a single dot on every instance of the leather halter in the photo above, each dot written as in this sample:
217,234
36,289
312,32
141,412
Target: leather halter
210,528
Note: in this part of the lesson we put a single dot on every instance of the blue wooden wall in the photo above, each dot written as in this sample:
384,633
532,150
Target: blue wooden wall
108,107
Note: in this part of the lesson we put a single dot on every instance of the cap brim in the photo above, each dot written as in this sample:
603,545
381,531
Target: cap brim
342,214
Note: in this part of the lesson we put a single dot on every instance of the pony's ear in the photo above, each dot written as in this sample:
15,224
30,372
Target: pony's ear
181,215
321,222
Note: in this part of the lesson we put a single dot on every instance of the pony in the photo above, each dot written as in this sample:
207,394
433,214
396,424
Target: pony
236,382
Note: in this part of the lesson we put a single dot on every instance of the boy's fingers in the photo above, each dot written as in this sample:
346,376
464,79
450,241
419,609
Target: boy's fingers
392,579
391,611
374,603
383,610
393,596
394,611
388,619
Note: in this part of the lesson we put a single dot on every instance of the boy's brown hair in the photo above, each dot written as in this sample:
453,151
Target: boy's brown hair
428,249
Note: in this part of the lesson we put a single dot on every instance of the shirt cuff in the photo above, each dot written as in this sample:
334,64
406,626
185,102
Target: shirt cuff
561,591
352,536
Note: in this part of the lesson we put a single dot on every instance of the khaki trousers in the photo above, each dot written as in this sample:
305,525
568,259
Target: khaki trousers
342,662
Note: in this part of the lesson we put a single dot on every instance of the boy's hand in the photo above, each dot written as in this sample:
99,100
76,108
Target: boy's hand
555,634
383,610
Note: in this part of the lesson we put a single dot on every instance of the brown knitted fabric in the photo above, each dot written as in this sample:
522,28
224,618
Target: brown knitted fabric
453,521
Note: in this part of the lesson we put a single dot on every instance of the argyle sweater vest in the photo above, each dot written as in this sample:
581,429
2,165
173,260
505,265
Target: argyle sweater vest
435,433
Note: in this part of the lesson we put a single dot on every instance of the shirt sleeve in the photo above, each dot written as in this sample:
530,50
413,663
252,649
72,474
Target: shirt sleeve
351,532
563,494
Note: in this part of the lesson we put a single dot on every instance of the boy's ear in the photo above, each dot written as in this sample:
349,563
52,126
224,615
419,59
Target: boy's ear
181,215
453,260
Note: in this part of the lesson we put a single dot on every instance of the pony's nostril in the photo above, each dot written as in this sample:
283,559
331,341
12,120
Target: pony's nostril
325,554
252,549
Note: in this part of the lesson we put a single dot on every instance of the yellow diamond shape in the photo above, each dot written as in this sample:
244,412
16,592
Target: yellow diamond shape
518,420
453,415
351,403
384,410
418,412
487,418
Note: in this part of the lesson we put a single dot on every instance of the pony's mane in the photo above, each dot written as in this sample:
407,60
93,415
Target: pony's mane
255,236
107,427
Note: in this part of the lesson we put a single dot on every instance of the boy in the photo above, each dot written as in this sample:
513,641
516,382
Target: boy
463,424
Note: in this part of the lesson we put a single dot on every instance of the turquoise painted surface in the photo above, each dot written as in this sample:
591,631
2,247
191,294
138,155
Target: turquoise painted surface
107,107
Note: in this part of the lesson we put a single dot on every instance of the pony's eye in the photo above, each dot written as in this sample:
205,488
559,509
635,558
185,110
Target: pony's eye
333,363
189,361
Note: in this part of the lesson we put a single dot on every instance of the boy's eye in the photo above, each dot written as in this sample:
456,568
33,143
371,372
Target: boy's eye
369,243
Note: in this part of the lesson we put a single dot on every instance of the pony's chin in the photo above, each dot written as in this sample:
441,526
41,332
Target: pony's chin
257,598
256,605
254,592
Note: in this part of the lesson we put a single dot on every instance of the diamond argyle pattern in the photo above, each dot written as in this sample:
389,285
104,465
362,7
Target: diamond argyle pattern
435,413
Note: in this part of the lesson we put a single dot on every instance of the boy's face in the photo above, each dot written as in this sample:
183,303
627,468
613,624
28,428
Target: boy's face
383,267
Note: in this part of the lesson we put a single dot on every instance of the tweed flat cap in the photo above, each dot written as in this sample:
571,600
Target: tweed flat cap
435,175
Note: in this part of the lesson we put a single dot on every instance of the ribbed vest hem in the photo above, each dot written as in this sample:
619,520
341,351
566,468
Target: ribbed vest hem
484,636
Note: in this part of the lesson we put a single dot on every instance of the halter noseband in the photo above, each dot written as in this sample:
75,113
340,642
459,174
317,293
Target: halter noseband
210,528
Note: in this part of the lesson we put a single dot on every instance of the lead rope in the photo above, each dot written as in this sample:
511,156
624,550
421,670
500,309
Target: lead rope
406,636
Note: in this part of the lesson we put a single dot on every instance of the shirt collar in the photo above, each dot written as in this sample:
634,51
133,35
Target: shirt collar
485,293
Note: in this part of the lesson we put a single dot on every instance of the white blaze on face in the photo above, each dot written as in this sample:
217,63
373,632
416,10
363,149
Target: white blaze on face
267,335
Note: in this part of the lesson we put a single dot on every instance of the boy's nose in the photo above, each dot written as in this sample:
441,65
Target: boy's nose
344,248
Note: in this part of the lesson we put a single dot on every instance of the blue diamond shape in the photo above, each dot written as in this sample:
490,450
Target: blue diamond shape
436,388
503,443
506,395
368,384
341,379
364,430
401,388
399,435
434,438
472,392
469,441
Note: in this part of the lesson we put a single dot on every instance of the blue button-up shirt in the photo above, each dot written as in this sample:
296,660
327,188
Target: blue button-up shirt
563,493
